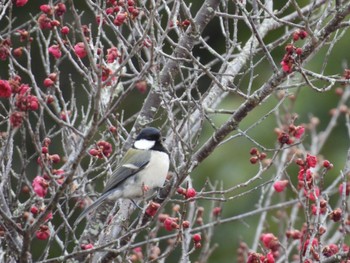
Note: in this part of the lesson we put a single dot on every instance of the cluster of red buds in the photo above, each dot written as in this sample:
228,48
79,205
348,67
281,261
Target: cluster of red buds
312,246
330,250
47,19
289,134
152,208
45,157
24,100
270,241
197,240
40,186
137,254
306,176
120,10
256,155
43,233
254,257
293,234
106,73
182,24
169,223
321,208
34,212
187,193
102,149
50,80
112,54
292,52
23,36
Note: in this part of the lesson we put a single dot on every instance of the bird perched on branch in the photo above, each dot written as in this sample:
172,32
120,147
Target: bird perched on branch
141,171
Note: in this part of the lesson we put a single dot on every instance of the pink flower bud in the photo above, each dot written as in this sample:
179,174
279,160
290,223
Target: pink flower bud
55,51
43,233
5,89
46,9
196,238
40,186
34,210
65,30
20,3
280,185
55,158
79,50
311,160
48,82
190,193
16,119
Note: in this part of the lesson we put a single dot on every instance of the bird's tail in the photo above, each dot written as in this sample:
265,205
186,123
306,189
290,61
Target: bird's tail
91,207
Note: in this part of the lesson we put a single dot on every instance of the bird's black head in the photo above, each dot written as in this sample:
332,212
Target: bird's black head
149,139
150,134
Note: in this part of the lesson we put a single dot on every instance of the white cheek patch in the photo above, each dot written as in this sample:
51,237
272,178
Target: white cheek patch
144,144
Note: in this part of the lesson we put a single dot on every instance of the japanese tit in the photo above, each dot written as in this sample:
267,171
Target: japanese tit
142,170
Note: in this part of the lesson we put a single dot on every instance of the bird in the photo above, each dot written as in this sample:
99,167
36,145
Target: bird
141,171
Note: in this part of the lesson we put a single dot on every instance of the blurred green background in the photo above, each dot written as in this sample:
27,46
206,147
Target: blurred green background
229,164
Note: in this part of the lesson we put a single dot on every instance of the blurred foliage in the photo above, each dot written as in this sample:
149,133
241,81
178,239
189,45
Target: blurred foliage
229,165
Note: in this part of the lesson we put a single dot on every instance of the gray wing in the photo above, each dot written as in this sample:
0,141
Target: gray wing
134,161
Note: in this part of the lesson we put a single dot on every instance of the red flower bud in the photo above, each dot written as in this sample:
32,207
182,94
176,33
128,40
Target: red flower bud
48,82
296,36
79,50
44,150
196,238
280,185
190,193
254,159
43,233
46,9
65,30
253,151
18,52
55,51
217,211
93,152
5,89
55,158
185,224
34,210
16,119
327,164
336,214
299,51
20,3
311,160
141,86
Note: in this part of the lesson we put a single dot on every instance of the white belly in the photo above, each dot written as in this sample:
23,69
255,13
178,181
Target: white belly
153,176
